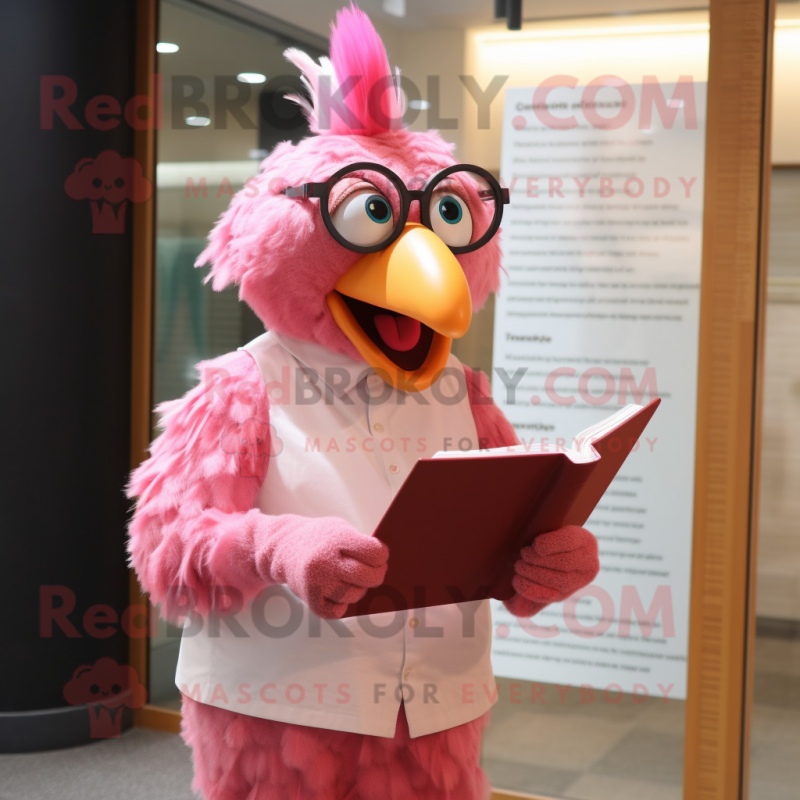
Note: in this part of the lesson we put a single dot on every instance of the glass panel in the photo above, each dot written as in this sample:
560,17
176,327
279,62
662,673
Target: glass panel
775,731
560,738
205,154
604,279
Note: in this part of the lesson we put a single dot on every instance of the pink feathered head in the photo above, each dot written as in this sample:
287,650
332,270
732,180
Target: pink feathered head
276,248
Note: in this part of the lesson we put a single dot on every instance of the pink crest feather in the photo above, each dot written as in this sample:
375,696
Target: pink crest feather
354,92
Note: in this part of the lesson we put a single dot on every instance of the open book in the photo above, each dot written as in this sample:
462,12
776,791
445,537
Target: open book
457,524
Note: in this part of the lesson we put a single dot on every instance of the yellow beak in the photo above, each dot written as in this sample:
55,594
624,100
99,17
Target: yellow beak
416,276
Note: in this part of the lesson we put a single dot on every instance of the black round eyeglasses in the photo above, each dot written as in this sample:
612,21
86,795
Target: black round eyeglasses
365,206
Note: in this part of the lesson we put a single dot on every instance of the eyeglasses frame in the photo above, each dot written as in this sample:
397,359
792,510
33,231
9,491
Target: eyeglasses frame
407,196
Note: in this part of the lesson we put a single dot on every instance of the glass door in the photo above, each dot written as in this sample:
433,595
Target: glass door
607,222
224,80
775,734
603,248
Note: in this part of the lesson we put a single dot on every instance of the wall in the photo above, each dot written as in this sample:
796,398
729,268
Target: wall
665,45
786,87
65,324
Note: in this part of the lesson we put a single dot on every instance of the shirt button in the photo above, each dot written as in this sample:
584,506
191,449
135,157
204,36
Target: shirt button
413,622
406,674
374,380
377,427
394,469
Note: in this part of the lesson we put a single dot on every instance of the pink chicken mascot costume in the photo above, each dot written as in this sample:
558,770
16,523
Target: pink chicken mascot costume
363,249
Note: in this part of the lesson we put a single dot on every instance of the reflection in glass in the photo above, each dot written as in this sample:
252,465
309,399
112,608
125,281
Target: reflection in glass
199,169
584,743
775,731
611,278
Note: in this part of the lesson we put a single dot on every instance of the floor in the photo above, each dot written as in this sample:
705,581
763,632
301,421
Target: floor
570,748
141,765
587,747
775,752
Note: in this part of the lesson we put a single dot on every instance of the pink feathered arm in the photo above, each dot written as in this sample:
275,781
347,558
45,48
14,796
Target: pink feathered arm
195,527
558,563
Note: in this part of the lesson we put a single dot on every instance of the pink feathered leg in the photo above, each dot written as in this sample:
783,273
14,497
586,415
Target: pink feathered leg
237,757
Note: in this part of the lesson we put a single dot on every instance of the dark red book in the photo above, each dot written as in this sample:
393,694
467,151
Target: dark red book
457,524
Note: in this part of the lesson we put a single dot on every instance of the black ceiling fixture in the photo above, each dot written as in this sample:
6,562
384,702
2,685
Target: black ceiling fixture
511,10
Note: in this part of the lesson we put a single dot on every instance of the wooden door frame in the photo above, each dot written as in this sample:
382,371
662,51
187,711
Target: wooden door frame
735,238
724,545
149,716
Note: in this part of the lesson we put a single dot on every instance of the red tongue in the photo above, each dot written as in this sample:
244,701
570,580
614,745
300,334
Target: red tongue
399,333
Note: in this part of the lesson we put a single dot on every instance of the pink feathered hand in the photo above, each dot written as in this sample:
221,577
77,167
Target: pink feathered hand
555,566
324,561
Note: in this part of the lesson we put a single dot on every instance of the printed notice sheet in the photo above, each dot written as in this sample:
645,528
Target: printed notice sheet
598,308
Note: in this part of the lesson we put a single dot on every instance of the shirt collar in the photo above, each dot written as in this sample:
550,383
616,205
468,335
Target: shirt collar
337,371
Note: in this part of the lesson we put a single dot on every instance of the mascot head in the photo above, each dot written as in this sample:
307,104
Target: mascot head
365,237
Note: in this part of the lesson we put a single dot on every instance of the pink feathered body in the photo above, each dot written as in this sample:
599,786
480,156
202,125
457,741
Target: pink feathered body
196,525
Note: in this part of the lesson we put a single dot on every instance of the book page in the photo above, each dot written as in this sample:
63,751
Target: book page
578,449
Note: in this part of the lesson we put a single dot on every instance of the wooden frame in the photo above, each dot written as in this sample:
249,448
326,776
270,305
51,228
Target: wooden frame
142,339
150,716
735,228
728,429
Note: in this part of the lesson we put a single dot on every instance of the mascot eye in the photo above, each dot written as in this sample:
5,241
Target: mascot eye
364,218
450,210
378,209
451,220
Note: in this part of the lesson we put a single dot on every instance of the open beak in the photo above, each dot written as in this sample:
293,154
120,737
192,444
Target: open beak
402,307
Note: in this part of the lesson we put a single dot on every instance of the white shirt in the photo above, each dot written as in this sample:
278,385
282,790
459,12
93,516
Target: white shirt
347,442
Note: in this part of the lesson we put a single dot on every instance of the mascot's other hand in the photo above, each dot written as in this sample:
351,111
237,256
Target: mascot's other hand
328,563
552,568
340,568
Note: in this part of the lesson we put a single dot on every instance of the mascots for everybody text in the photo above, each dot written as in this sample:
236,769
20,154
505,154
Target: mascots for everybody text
364,251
